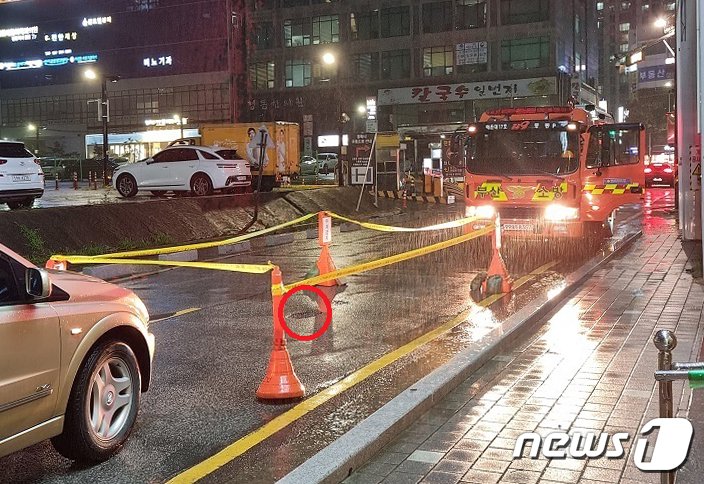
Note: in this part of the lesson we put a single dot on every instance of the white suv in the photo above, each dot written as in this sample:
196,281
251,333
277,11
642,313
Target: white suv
197,169
21,177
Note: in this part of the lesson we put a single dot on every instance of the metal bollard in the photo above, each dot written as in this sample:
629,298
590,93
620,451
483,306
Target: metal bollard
665,341
56,177
75,180
95,180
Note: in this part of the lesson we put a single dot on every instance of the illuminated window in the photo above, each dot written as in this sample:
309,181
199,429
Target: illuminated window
297,32
438,61
298,73
326,29
261,75
624,27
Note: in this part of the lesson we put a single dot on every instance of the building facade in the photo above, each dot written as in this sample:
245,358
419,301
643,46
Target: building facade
175,60
418,64
638,63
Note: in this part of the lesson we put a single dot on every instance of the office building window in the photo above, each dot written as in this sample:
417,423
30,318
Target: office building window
438,61
297,32
600,6
529,53
298,73
437,17
326,29
396,64
395,21
624,48
365,67
263,35
524,11
261,75
364,25
624,27
471,14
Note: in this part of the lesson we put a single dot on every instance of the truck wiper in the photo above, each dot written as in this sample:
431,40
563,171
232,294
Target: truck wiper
501,175
554,175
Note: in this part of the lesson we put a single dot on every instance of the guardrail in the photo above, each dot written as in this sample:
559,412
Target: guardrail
668,371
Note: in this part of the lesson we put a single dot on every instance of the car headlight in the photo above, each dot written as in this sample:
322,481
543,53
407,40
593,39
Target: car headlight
481,211
558,213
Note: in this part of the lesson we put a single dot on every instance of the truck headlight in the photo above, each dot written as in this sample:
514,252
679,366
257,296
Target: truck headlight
481,211
559,213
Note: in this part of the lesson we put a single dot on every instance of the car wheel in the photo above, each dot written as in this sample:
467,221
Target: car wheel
103,404
127,185
201,185
158,193
15,205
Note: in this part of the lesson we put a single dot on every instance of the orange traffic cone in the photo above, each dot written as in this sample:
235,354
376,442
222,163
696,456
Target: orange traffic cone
54,264
280,382
325,265
497,266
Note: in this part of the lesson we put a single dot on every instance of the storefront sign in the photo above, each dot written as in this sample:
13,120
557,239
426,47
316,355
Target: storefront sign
165,121
20,33
655,76
360,149
468,91
165,60
471,53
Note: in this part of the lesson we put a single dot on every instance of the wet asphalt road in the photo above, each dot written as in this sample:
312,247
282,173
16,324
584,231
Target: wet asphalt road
210,362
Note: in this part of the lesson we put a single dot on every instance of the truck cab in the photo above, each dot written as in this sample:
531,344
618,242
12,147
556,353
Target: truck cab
552,171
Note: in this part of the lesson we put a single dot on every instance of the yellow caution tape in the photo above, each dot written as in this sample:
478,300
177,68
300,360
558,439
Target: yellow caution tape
376,264
246,268
202,245
388,228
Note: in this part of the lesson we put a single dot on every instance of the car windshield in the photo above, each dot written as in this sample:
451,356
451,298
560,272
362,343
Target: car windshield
526,152
14,150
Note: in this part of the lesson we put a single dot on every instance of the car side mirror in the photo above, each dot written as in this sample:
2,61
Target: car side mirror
38,283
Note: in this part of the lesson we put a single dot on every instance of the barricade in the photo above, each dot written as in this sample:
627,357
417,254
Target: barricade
281,382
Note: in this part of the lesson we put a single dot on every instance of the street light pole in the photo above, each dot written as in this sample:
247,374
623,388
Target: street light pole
104,116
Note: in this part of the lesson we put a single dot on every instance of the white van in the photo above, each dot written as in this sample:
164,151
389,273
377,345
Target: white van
21,176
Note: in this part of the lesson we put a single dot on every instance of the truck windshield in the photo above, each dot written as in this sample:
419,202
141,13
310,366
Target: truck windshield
524,152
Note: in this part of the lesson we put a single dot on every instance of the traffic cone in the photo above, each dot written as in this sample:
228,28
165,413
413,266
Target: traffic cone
280,382
497,266
56,265
324,265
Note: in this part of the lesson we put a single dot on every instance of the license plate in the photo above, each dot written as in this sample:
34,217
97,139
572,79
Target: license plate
518,227
241,178
657,179
21,178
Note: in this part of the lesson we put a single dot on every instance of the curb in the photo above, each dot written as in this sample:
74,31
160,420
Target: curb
420,198
338,460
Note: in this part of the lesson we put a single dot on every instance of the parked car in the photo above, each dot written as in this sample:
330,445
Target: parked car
659,174
182,169
75,355
309,165
327,162
21,176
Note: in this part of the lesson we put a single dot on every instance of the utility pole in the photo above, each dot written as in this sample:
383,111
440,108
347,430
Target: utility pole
104,115
687,120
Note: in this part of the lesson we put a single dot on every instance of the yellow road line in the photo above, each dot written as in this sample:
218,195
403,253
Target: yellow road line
282,421
176,314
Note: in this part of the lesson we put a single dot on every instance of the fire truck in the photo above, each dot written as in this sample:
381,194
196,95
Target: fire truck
552,171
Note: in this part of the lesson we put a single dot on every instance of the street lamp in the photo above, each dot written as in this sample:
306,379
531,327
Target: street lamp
329,59
661,23
34,128
103,113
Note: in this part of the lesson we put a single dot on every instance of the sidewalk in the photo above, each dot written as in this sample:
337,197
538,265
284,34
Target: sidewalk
589,367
